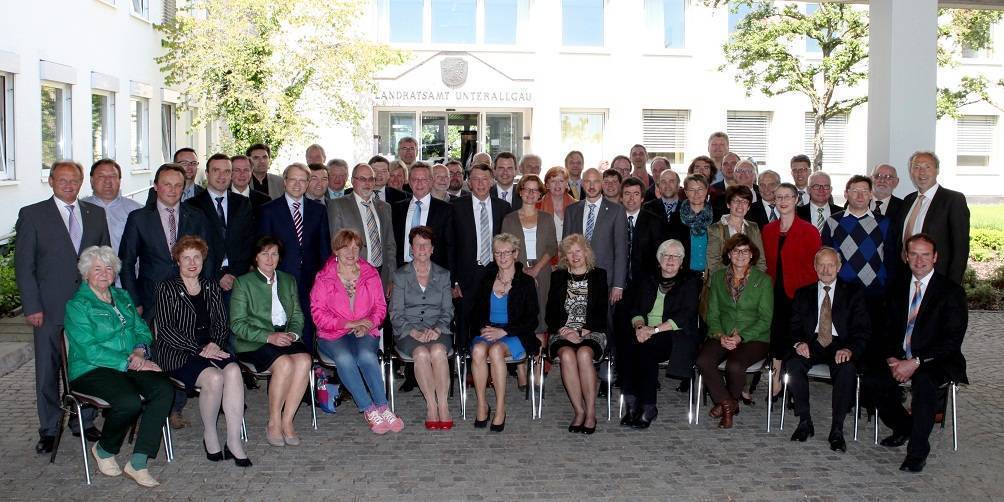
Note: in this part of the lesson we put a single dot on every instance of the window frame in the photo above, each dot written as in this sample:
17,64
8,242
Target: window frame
143,14
425,41
140,135
7,126
108,127
768,116
654,12
655,147
167,150
586,47
991,152
835,137
64,122
604,113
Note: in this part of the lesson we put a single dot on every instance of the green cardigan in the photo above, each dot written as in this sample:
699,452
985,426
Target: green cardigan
751,316
251,309
97,337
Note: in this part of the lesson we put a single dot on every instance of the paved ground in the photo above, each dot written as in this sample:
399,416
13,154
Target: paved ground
539,459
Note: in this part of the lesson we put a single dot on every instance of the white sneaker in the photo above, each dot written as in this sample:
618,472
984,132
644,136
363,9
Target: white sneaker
107,466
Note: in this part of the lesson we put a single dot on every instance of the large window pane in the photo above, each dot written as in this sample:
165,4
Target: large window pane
141,8
811,44
168,127
664,133
458,126
55,124
673,14
748,134
974,140
834,140
406,21
500,21
6,86
139,120
393,126
582,23
583,131
433,135
102,126
504,133
453,21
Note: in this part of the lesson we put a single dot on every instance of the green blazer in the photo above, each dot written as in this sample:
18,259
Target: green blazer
750,316
251,309
97,337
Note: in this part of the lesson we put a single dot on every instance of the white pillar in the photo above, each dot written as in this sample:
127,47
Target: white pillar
902,82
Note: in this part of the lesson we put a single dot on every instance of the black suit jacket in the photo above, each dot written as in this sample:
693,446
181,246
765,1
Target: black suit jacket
517,201
439,219
302,261
894,209
758,214
650,230
464,255
151,195
233,238
656,207
555,314
940,327
681,305
804,212
947,222
258,200
143,241
850,317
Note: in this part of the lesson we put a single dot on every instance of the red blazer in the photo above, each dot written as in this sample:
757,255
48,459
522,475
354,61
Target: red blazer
799,248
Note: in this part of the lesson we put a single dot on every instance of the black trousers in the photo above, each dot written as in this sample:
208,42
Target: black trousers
924,388
843,376
122,390
640,369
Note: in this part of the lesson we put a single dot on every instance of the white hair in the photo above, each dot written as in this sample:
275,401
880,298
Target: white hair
103,254
666,246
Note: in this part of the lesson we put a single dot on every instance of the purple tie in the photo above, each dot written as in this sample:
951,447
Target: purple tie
74,227
298,222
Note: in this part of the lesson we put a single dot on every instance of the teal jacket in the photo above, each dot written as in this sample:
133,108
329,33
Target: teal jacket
750,316
251,309
97,336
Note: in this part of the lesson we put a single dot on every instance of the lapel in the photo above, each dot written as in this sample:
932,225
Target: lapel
355,214
159,239
498,208
930,297
931,225
90,224
208,206
54,213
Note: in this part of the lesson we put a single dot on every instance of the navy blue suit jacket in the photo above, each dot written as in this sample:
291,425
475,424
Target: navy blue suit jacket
302,261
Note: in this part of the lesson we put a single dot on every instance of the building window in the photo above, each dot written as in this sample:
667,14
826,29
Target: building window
664,133
666,21
583,131
102,125
139,133
582,23
834,139
391,127
811,44
6,126
453,21
168,131
737,15
974,140
141,8
501,21
406,21
56,131
748,134
504,133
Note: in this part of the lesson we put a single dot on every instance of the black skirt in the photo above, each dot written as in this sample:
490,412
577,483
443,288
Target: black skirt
263,357
196,364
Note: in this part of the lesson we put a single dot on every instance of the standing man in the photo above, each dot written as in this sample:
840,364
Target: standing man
49,238
422,209
718,147
407,151
456,189
639,157
441,182
317,185
604,225
940,213
381,173
658,165
262,180
529,164
669,201
315,154
189,161
338,174
612,185
369,216
765,211
929,317
573,166
106,178
505,180
744,174
302,226
240,183
819,207
801,166
884,183
622,165
646,229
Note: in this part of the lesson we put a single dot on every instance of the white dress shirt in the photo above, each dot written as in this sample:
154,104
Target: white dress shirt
213,194
918,226
289,202
423,218
246,192
278,313
596,214
506,194
530,240
814,214
65,215
820,292
885,205
924,281
364,213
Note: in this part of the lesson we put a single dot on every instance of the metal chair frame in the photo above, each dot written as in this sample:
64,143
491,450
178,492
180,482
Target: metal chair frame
464,361
822,372
695,397
267,375
954,388
178,384
606,358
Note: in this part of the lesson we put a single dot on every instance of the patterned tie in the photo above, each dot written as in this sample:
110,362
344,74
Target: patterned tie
819,218
298,222
825,335
801,197
630,240
416,220
590,221
219,211
484,236
376,194
878,207
914,214
376,250
911,319
74,228
504,196
172,228
668,208
773,212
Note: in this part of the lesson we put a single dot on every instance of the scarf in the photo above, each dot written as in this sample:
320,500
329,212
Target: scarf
666,284
699,222
735,291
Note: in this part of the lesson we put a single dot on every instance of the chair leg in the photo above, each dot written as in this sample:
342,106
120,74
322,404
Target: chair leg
463,393
610,383
857,405
313,397
390,375
83,445
697,398
540,389
876,419
168,441
955,420
459,385
531,389
690,401
59,432
770,391
784,400
244,430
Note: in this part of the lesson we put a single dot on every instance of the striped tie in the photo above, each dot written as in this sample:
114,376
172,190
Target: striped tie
298,222
590,221
911,319
375,248
74,227
819,218
172,228
484,237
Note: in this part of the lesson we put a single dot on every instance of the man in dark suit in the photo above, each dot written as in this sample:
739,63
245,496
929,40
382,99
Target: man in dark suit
646,230
505,180
819,207
381,173
240,183
606,231
357,211
317,185
422,209
668,202
928,321
456,188
726,168
941,213
658,165
829,325
884,183
574,162
765,210
49,238
262,180
476,219
149,235
189,161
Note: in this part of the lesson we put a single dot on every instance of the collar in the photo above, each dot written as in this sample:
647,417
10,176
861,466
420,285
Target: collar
262,276
923,280
94,199
635,214
360,200
815,207
930,191
213,194
832,285
246,192
674,200
161,206
60,202
424,200
596,202
868,212
290,200
487,200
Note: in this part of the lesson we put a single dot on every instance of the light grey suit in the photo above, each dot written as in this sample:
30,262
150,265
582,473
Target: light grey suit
45,265
344,213
411,308
609,240
276,187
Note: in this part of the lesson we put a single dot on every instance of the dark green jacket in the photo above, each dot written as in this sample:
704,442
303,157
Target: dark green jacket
251,309
97,336
750,316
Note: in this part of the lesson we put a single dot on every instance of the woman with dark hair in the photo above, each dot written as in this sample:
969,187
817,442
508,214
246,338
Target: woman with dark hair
577,321
267,323
740,305
690,224
738,199
192,331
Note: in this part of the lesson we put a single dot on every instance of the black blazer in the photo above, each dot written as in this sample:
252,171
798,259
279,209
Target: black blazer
517,201
464,255
301,261
655,206
555,314
440,220
680,305
175,319
758,214
939,329
143,241
391,196
804,212
650,230
523,307
258,200
850,317
894,210
233,239
947,222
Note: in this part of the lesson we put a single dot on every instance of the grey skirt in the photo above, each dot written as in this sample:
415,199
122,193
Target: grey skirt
406,345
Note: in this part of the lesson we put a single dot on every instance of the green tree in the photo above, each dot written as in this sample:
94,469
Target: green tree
970,29
263,66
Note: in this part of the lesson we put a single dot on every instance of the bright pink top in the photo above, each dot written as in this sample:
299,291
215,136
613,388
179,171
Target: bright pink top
329,302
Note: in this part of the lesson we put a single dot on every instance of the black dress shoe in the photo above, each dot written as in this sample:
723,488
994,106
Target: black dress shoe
587,430
407,386
895,440
645,419
603,389
498,427
804,431
45,444
239,462
92,433
575,429
837,442
629,418
913,464
684,386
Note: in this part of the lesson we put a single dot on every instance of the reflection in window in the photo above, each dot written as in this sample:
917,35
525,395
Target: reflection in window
500,21
406,21
168,126
504,133
453,21
102,131
673,15
433,135
583,131
582,23
55,124
811,44
139,137
741,11
393,126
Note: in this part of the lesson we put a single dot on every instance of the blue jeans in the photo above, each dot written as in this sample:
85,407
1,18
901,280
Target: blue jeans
356,361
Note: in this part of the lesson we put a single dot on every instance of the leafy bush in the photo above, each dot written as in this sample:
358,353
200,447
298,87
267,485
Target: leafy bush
997,279
984,297
985,244
10,298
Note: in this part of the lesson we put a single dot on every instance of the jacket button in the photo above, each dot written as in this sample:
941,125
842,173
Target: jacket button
423,312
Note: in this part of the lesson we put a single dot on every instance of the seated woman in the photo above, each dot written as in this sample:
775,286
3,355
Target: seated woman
577,322
267,322
191,321
421,310
107,358
664,316
348,306
504,314
740,305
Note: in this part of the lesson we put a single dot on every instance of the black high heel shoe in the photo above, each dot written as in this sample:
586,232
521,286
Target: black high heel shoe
575,429
587,430
481,424
498,428
239,462
212,457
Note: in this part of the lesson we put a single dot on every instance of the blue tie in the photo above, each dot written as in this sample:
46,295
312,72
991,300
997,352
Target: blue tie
416,221
912,319
590,221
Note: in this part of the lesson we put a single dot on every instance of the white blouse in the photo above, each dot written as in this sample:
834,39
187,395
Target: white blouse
530,239
278,313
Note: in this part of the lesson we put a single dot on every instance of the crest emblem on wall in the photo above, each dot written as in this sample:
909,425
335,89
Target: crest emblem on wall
453,71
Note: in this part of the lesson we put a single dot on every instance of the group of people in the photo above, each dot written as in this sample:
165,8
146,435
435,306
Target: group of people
267,273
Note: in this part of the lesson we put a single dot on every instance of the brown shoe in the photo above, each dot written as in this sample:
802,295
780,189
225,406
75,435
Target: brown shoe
716,411
177,421
728,411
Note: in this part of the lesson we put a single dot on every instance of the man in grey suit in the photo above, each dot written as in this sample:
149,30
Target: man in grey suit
370,217
262,180
605,229
50,236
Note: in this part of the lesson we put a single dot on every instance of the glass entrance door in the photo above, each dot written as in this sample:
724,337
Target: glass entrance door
441,133
504,133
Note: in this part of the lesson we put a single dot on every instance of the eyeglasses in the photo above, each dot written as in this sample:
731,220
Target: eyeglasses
739,202
742,251
781,198
884,177
696,190
672,257
364,180
504,253
821,187
858,191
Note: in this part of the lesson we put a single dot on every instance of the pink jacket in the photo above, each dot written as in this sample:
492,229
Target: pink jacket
329,302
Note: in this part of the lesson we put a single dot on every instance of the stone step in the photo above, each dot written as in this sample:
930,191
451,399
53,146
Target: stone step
13,355
14,329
